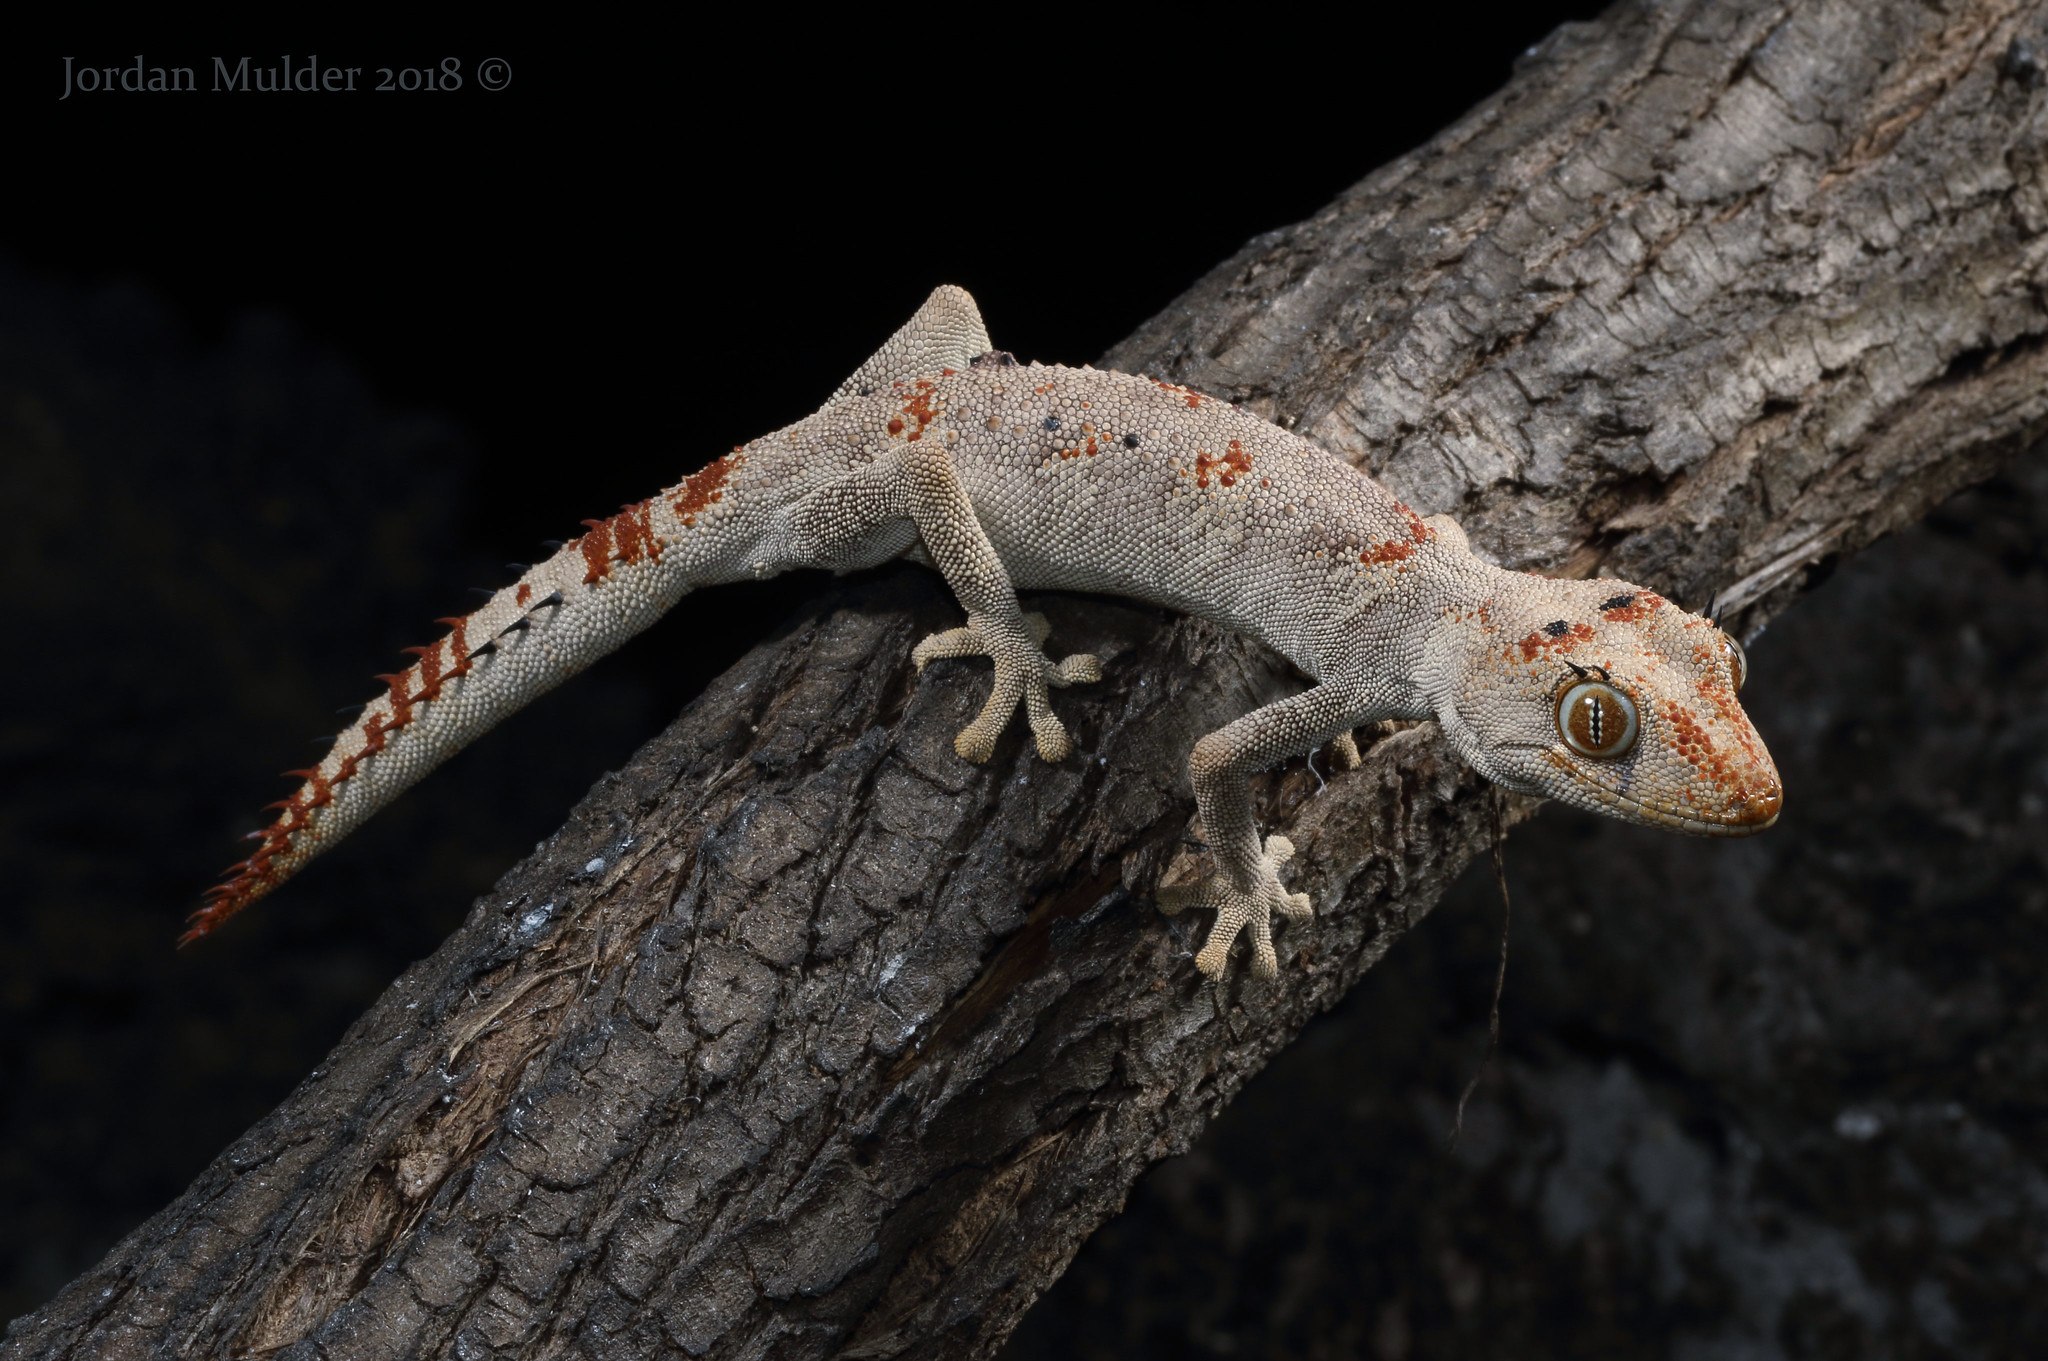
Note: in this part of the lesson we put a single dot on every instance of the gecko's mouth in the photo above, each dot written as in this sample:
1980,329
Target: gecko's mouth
1742,825
1749,813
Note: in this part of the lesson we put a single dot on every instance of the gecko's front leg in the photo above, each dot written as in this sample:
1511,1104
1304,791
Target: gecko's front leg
1245,891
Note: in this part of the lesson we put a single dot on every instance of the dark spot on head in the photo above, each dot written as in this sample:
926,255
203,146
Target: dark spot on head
1131,441
1052,422
866,391
1620,602
1557,628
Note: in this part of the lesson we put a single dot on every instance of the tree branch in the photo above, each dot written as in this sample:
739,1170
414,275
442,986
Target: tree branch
803,1036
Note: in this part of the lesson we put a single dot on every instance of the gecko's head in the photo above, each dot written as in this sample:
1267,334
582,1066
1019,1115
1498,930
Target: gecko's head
1607,696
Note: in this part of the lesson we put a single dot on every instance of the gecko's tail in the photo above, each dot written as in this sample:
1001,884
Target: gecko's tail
591,596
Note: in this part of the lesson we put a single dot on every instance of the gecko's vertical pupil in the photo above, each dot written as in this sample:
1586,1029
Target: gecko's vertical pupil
1596,719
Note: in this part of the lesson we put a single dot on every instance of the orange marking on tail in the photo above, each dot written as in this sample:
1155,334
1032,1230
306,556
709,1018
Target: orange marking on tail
597,551
523,594
323,792
401,703
705,487
459,645
636,534
430,671
629,536
225,900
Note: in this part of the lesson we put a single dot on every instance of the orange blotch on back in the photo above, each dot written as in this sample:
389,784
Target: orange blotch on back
1190,396
1234,463
1399,550
919,408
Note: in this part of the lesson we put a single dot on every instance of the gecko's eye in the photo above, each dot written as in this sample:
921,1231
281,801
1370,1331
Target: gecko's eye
1596,719
1738,660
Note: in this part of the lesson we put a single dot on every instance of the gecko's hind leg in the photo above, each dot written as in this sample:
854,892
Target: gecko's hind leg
875,511
1018,675
997,628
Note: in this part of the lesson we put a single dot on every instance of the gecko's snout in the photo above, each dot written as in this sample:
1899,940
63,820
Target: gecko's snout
1759,809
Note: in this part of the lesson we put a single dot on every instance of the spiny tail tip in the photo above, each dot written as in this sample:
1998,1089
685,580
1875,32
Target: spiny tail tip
224,901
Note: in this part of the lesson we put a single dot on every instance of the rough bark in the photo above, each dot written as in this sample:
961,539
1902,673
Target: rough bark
802,1038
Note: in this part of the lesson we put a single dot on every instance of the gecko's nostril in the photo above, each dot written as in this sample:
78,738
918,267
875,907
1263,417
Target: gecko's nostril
1759,809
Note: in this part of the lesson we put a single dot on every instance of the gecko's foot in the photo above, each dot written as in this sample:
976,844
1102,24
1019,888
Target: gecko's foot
1023,673
1236,908
1344,751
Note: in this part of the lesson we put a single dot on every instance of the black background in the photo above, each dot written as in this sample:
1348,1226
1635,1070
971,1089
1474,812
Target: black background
286,373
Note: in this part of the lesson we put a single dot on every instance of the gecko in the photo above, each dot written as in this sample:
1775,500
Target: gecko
1007,476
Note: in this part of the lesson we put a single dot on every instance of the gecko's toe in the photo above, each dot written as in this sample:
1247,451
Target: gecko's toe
1080,669
960,642
1050,735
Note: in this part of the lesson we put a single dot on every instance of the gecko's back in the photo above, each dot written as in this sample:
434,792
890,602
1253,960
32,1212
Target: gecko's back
1092,480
